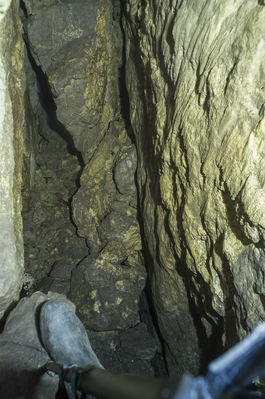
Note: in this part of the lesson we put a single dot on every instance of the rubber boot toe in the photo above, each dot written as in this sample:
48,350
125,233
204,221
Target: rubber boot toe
64,336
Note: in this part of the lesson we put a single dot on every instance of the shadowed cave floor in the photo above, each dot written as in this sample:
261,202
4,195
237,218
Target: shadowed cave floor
53,250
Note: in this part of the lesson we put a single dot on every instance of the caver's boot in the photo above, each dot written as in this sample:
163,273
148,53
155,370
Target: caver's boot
63,335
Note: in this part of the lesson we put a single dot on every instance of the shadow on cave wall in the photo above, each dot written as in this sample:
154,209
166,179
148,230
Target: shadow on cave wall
52,247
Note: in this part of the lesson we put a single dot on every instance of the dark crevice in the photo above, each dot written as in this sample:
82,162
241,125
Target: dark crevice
23,8
227,285
46,99
206,103
147,308
48,104
146,301
124,95
148,317
152,169
43,237
234,212
6,314
210,346
228,79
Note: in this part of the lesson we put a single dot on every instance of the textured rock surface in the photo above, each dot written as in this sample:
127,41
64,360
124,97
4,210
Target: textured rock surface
52,248
127,351
79,54
110,216
13,155
108,294
195,76
110,281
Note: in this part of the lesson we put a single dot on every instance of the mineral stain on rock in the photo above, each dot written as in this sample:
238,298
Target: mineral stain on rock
191,80
81,232
195,78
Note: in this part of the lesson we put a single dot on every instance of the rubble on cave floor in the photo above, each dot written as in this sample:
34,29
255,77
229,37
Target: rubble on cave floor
53,251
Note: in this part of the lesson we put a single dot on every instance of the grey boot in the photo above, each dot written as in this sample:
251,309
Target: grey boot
64,336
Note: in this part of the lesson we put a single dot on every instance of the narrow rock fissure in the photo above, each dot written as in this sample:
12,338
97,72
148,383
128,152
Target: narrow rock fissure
59,255
49,232
166,263
49,107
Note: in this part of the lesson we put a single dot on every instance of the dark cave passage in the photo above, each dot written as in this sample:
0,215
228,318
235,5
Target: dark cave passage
58,254
131,140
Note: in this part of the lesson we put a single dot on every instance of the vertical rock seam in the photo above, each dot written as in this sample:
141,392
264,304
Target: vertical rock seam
195,77
97,260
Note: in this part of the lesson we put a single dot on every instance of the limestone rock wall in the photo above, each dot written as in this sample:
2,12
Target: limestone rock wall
80,56
74,44
76,50
15,154
195,76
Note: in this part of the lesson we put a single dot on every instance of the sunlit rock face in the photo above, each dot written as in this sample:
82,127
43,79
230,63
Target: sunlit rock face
195,77
14,156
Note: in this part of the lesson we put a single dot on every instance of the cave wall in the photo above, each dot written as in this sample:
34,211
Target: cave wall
76,46
87,245
80,57
195,75
195,79
16,144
